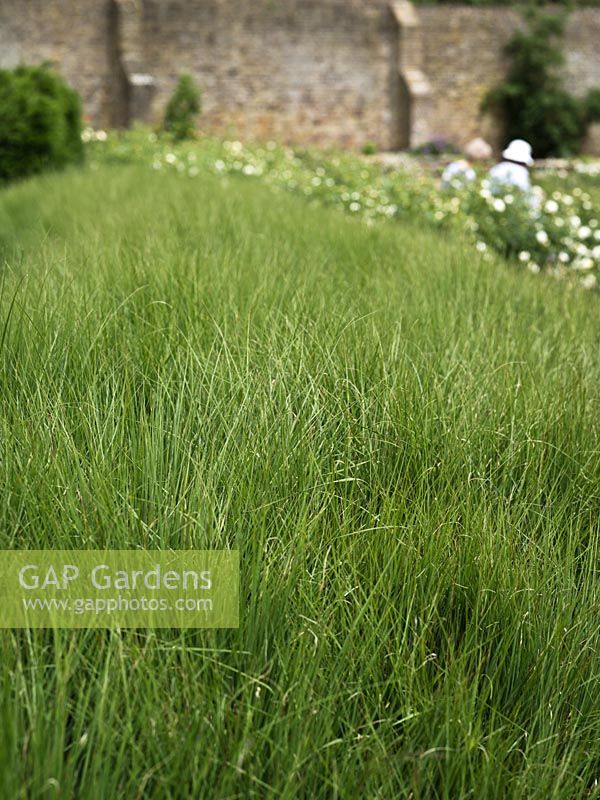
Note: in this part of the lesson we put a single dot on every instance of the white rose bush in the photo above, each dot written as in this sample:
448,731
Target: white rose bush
559,234
556,232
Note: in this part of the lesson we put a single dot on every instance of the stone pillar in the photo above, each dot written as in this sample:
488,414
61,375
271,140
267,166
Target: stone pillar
141,86
591,144
416,91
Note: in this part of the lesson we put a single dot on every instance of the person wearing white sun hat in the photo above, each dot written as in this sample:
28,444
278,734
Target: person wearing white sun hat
513,170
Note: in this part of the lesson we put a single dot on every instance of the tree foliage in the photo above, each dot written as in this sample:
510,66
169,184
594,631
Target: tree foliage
533,101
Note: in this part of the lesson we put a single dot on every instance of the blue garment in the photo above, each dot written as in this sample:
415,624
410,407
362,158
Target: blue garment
457,174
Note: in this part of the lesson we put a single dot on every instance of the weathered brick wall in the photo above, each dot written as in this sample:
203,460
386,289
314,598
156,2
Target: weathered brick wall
327,71
75,35
309,70
462,53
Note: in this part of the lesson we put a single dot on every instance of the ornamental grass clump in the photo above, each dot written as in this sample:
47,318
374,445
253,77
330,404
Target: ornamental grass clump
551,229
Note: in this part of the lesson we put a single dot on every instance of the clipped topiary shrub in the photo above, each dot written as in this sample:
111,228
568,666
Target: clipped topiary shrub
40,122
183,108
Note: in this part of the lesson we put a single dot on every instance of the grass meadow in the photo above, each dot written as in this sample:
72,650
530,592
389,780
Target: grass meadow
402,439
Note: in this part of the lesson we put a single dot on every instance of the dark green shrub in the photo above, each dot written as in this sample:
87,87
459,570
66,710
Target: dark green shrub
532,101
40,122
592,106
183,108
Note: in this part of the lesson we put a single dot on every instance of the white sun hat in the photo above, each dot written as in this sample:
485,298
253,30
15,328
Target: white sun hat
520,151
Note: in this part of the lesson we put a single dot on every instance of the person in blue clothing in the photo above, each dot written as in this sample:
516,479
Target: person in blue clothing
461,172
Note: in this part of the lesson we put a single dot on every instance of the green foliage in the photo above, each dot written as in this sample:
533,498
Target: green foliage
532,101
369,149
401,439
40,123
183,108
592,105
557,223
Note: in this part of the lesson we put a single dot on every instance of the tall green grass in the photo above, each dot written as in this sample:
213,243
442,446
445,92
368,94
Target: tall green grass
402,441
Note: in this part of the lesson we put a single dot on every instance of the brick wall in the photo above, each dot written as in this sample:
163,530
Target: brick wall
462,53
309,70
328,71
75,35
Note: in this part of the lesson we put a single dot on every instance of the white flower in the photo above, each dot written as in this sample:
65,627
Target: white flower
563,257
481,246
575,221
559,222
170,158
589,282
219,165
508,199
533,267
551,207
499,205
583,263
542,237
101,136
584,232
567,200
524,255
354,206
597,235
